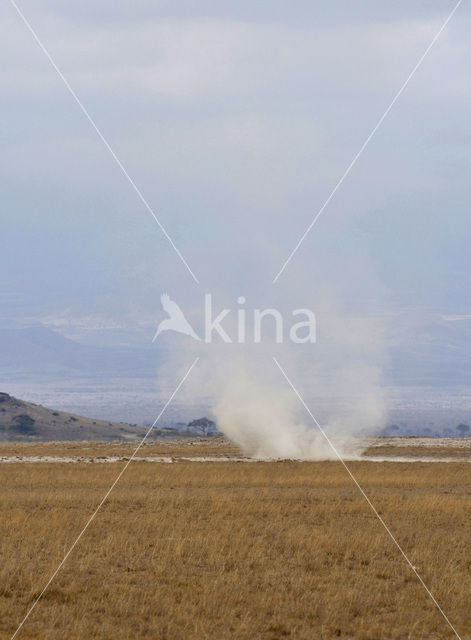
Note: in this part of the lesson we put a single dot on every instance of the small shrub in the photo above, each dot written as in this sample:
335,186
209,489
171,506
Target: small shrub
24,424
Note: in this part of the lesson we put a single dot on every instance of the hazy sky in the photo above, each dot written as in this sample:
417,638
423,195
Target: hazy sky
235,119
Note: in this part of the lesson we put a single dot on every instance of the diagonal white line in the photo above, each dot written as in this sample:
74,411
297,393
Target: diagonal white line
390,534
105,497
103,139
364,145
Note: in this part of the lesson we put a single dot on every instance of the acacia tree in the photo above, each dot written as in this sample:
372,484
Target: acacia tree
463,430
204,424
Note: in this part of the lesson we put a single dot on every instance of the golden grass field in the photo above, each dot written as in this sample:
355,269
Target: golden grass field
220,550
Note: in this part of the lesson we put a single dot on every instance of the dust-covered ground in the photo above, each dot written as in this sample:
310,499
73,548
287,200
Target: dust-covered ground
398,449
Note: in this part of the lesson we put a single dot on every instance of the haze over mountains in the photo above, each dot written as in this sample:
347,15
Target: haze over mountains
114,382
427,351
427,373
431,350
40,350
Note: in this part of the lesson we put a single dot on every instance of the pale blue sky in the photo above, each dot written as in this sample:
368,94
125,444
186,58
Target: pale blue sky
235,120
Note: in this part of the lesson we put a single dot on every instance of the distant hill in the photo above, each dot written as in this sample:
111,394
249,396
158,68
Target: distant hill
20,420
40,350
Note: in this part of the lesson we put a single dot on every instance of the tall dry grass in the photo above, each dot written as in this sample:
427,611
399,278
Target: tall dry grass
235,550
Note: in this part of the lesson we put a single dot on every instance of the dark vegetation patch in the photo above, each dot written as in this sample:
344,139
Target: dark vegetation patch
24,425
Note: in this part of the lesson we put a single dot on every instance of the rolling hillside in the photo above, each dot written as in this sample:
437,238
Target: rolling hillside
20,420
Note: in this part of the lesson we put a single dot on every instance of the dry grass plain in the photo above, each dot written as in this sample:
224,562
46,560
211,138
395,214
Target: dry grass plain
221,550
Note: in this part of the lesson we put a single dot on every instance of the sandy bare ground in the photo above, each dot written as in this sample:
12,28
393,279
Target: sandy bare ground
222,450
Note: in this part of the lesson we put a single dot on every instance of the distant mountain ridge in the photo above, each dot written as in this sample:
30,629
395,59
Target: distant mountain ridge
42,350
422,350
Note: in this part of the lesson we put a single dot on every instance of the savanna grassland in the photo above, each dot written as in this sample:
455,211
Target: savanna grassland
219,550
